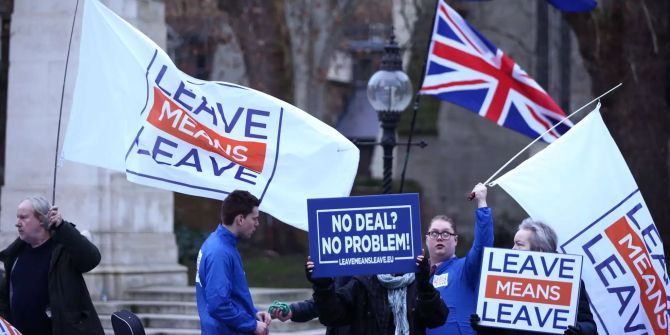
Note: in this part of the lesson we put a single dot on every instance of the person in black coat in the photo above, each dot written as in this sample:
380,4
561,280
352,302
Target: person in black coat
43,269
537,236
380,304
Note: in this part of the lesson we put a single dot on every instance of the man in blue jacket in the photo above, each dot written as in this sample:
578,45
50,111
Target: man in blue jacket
222,293
457,279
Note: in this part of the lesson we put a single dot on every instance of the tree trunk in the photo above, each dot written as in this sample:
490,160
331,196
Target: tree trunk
626,41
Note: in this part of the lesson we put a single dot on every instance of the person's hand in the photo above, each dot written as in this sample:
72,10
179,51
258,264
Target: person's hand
318,282
55,219
480,194
277,314
422,272
474,321
261,328
264,317
573,330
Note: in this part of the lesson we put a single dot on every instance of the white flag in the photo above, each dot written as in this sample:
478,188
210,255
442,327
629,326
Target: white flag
581,186
134,111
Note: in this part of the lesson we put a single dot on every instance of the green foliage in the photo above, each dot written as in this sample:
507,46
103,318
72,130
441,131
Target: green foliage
282,271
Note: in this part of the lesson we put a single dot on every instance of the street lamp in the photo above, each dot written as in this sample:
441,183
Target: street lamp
389,93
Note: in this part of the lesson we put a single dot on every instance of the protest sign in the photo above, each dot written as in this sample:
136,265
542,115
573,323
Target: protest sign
581,186
364,235
533,291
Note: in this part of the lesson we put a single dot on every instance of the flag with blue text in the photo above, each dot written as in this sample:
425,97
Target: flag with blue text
464,68
134,111
581,186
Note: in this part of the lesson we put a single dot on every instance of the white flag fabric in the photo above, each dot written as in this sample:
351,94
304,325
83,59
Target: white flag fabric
581,186
134,111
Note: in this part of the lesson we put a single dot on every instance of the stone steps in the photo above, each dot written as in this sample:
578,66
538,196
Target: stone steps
166,310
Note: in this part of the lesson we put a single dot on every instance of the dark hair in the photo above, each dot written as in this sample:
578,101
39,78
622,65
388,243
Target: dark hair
238,202
444,218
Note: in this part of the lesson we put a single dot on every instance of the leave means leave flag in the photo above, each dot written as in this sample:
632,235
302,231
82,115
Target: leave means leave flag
464,68
134,111
581,186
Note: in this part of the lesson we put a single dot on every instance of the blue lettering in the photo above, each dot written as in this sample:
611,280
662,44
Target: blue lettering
558,318
628,327
528,264
502,313
182,90
606,265
196,160
215,166
228,127
566,268
540,320
205,107
632,212
588,246
251,123
548,271
161,73
240,174
522,311
157,149
508,262
622,300
491,268
484,317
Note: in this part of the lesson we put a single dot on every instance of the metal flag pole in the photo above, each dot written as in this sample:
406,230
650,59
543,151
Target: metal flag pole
60,110
488,181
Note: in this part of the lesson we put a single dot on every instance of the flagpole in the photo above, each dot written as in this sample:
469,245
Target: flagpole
417,100
60,110
488,181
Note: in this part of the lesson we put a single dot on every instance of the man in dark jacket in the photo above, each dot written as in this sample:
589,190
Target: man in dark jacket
43,291
380,304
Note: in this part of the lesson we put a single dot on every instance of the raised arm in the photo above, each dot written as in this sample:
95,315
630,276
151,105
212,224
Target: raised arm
483,236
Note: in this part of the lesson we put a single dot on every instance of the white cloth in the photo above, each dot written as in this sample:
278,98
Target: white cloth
134,111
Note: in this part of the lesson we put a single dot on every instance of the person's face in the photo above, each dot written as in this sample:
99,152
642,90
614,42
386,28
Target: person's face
522,239
439,248
248,224
28,225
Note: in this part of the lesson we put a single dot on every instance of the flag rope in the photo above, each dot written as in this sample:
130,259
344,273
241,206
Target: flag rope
491,184
60,110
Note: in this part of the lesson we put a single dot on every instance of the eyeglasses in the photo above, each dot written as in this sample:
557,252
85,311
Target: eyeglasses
445,235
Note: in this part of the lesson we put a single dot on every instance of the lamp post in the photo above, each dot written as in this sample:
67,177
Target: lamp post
389,93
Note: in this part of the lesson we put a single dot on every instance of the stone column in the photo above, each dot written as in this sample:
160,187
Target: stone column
132,225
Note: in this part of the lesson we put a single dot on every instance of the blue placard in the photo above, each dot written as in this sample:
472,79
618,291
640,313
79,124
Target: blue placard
364,235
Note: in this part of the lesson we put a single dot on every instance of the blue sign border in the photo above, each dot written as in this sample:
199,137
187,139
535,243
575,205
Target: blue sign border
407,201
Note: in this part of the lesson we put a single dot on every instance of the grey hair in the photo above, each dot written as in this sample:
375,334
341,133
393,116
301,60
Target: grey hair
41,207
544,237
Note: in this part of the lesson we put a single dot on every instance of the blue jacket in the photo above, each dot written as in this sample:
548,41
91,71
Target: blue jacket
457,279
224,301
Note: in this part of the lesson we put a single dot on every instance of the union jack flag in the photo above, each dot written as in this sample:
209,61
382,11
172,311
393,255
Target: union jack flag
464,68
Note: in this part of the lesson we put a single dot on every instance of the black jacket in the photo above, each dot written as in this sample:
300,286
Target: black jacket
363,304
72,312
584,320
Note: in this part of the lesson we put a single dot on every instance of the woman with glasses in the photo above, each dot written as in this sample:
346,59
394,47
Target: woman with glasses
457,278
537,236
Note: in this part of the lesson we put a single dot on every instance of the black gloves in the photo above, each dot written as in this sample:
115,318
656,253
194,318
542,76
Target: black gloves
423,275
573,330
474,321
317,282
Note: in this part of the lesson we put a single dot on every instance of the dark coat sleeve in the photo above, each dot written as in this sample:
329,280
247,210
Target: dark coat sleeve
303,311
85,255
336,307
430,309
584,316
